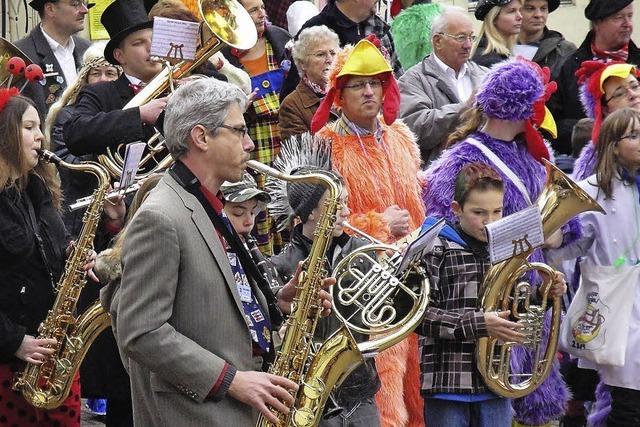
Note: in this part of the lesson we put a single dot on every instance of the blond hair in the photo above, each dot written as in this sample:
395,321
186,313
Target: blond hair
496,41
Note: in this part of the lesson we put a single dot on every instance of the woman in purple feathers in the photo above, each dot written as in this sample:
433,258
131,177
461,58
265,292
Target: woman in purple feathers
501,131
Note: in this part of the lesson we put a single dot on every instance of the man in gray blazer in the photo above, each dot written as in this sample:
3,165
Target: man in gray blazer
435,92
54,46
194,351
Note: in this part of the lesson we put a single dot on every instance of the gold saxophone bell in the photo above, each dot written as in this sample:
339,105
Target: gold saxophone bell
225,22
502,289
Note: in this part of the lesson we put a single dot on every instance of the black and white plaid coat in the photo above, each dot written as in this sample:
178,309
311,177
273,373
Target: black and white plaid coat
453,322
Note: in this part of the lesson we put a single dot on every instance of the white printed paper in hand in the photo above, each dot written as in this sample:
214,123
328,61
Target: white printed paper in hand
132,156
515,234
174,39
420,246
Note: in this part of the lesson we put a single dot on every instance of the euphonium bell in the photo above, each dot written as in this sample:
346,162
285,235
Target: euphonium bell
503,289
225,22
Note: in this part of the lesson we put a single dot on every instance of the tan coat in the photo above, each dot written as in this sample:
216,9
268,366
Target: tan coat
297,110
179,316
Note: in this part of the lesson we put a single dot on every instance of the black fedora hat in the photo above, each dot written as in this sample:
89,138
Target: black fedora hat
39,4
121,18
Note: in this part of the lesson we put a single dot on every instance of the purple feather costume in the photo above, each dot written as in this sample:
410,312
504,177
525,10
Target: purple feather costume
549,400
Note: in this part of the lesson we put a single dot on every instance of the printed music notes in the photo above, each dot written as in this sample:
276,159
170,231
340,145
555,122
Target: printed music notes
515,234
174,39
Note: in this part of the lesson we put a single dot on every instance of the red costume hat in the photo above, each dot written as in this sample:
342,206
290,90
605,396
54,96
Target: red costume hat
591,77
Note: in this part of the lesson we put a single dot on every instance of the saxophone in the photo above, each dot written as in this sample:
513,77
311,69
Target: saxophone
318,371
47,385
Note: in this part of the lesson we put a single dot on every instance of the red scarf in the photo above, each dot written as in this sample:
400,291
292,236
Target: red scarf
610,55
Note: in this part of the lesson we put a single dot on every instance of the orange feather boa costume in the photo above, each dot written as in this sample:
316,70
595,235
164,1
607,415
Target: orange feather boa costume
378,176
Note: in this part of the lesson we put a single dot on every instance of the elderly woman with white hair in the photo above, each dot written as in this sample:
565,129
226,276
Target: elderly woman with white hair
313,54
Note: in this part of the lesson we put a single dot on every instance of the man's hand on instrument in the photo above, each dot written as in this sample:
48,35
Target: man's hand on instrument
288,291
398,220
150,111
114,207
33,350
263,391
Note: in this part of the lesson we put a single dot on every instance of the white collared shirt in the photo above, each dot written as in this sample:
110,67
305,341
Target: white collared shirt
462,82
64,55
134,80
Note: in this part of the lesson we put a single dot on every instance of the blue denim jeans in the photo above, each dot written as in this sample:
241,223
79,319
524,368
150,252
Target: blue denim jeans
451,413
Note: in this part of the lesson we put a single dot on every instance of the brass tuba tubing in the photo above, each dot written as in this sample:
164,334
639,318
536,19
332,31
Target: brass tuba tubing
560,200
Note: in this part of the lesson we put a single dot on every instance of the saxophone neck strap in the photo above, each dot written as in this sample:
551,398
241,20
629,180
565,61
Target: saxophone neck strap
191,184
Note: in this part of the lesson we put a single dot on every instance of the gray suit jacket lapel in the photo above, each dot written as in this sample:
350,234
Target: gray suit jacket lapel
210,236
444,82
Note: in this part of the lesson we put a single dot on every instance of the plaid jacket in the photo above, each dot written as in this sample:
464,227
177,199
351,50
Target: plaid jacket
452,321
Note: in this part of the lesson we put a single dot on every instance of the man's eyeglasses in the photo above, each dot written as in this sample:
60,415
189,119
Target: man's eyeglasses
373,83
460,38
623,91
79,4
242,130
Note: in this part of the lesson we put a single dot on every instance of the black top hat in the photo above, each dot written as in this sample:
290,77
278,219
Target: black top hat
39,4
121,18
600,9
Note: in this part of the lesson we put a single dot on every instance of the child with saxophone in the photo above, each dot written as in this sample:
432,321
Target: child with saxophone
453,389
34,245
304,201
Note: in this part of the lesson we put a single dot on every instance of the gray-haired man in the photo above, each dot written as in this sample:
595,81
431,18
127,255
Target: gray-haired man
194,320
437,90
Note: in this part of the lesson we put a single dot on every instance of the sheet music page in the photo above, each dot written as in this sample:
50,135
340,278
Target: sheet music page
174,39
420,246
132,156
515,234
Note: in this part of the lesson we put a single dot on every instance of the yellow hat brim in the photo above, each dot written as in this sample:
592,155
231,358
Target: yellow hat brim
549,123
615,70
365,60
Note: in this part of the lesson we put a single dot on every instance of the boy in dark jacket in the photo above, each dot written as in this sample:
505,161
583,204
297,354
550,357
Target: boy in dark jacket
454,391
356,394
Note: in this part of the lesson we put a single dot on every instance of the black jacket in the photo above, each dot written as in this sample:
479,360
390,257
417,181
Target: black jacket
487,59
363,383
27,290
36,47
552,50
565,104
99,121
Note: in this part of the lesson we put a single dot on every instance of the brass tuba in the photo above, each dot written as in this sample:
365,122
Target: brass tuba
502,289
47,385
224,22
318,371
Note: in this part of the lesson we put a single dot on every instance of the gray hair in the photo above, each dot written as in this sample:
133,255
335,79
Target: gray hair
203,102
440,23
307,38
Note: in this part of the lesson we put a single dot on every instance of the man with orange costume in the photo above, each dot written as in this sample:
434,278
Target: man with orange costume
380,162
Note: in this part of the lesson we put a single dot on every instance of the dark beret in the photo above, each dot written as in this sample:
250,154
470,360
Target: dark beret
600,9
